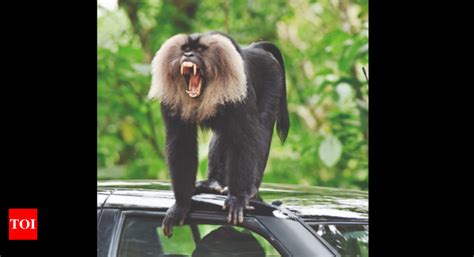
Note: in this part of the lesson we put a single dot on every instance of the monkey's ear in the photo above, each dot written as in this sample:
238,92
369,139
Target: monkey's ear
163,68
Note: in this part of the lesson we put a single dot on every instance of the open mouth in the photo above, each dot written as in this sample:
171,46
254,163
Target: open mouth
192,74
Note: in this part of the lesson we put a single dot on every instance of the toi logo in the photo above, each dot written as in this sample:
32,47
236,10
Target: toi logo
23,224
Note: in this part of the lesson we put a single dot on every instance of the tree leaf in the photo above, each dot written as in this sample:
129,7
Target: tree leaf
330,150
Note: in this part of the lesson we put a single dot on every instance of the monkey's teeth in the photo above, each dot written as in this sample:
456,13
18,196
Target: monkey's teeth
182,69
192,94
195,69
188,64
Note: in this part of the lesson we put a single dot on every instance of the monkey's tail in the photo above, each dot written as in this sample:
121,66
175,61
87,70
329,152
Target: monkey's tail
283,118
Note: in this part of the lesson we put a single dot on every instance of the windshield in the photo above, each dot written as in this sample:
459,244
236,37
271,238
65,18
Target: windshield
347,239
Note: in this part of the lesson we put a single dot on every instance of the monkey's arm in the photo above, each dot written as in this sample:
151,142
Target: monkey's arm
182,158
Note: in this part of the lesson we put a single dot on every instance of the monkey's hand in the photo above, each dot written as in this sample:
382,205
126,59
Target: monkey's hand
174,216
236,205
210,186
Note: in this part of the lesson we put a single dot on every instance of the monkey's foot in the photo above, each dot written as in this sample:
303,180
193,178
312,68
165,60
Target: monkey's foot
236,206
210,186
174,216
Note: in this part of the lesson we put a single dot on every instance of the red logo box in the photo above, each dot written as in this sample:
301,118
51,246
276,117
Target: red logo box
22,224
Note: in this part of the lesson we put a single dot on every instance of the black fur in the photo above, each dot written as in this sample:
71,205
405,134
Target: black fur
241,140
283,119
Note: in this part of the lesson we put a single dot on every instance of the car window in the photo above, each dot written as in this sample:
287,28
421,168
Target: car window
143,236
347,239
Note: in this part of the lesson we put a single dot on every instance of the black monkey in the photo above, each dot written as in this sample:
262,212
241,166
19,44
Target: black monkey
207,80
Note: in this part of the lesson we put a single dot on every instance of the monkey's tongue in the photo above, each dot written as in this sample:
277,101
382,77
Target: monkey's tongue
194,89
195,81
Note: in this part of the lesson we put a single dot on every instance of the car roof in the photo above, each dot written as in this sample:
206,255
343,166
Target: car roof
310,203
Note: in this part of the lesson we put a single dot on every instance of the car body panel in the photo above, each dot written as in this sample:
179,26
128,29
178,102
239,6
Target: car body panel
102,196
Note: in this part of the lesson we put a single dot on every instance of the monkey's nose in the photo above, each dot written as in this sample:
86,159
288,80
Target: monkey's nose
188,54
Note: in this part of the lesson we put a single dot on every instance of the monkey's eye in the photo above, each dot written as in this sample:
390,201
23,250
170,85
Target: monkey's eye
199,49
186,48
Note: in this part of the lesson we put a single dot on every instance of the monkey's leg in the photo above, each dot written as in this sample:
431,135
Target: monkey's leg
267,121
215,182
182,158
243,153
272,94
268,107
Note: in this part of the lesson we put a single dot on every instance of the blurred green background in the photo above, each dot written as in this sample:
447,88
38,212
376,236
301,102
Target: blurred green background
324,45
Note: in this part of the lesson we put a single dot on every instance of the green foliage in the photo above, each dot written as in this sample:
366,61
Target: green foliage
325,46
